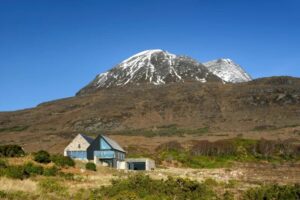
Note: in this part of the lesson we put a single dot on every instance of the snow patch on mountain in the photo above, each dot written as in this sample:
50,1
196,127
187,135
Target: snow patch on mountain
227,70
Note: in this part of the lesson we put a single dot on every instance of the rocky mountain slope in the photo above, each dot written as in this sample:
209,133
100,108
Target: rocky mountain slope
158,67
227,70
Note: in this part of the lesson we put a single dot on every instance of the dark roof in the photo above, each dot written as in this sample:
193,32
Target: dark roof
87,138
113,144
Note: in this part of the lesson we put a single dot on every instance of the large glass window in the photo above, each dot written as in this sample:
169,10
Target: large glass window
104,145
104,154
77,154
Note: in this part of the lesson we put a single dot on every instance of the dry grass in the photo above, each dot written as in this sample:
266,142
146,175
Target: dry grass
11,185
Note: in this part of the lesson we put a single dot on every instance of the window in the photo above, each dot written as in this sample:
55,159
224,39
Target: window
104,145
104,154
77,154
79,146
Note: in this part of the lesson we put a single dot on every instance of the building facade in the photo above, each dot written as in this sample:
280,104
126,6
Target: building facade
102,150
106,152
77,149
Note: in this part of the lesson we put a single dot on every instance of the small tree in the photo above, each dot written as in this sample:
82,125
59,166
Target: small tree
42,157
11,151
90,166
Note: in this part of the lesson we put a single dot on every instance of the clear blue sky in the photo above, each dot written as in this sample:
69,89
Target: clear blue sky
50,49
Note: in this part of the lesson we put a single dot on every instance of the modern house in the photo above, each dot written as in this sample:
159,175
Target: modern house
104,151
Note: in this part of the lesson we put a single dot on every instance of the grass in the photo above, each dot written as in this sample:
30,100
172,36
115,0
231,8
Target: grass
49,185
190,161
167,130
14,129
137,185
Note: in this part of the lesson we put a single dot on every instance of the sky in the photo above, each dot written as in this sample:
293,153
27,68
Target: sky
49,49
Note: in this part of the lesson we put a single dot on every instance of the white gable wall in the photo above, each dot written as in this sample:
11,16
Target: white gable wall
79,143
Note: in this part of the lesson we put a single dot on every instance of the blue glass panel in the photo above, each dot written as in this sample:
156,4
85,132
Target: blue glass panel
104,154
77,154
104,145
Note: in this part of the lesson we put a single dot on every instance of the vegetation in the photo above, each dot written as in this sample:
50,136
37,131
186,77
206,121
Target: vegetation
33,169
51,171
42,157
11,151
143,187
52,186
62,161
167,130
90,166
15,172
14,129
223,153
270,192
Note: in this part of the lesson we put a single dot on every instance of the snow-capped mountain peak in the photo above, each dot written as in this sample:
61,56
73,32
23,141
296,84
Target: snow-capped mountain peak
155,67
228,70
159,67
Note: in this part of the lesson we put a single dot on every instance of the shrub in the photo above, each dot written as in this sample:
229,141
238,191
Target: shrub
90,166
51,171
2,194
62,161
11,151
30,168
42,157
170,146
3,164
218,148
270,192
143,187
16,172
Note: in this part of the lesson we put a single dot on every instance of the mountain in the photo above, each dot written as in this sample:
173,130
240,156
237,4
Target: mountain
158,67
157,93
228,71
260,107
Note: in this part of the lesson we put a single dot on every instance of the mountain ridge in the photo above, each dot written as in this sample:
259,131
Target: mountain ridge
159,67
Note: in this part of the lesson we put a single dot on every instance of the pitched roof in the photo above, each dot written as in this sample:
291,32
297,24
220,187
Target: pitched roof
113,144
87,138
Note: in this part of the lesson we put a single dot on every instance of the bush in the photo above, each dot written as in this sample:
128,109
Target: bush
218,148
30,168
62,161
42,157
11,151
144,187
90,166
16,172
270,192
3,164
52,171
170,146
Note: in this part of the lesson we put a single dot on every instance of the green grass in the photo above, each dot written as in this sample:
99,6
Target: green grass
188,160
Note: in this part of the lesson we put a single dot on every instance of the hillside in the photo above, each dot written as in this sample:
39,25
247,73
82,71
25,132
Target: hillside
176,109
